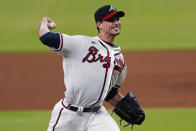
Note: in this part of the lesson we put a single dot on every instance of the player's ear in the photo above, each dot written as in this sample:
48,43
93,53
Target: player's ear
98,24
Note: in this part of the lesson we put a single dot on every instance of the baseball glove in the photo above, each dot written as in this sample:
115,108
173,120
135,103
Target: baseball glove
128,109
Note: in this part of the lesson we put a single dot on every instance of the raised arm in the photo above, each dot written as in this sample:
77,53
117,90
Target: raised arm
48,38
46,25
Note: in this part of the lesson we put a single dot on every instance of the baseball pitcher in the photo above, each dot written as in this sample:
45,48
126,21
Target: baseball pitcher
94,69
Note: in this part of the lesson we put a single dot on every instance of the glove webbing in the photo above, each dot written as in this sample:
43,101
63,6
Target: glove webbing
122,120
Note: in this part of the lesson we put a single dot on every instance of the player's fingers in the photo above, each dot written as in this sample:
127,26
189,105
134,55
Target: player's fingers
44,20
49,20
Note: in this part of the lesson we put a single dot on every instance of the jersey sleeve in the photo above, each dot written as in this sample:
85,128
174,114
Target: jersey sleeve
121,77
52,40
68,44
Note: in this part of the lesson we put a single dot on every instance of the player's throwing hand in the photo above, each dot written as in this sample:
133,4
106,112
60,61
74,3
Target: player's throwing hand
46,25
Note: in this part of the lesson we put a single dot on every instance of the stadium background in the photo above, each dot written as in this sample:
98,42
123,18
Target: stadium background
157,38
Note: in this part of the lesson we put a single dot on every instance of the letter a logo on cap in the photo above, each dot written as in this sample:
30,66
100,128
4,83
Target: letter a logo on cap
112,8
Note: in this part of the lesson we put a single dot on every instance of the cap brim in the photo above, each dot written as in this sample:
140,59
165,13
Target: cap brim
117,13
120,13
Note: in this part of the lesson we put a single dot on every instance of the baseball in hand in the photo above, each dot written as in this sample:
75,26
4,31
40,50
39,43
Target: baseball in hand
51,25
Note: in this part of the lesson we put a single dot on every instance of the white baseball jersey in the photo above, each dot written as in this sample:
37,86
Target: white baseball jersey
91,68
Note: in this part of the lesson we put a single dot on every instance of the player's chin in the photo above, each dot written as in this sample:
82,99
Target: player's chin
116,33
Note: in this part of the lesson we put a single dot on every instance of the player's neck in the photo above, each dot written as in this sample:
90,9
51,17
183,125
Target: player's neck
107,38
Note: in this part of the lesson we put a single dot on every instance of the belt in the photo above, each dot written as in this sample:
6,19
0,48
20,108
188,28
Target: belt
79,109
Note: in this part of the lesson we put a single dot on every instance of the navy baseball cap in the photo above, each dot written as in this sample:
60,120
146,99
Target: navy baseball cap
106,12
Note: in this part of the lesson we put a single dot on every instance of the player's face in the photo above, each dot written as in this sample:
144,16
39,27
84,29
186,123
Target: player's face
111,26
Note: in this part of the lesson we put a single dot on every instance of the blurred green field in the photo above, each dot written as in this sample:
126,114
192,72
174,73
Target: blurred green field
156,120
148,25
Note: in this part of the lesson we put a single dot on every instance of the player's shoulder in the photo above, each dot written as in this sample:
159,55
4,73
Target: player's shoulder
77,36
86,39
82,39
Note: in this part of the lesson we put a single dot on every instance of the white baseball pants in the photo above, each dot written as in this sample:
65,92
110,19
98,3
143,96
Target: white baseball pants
63,119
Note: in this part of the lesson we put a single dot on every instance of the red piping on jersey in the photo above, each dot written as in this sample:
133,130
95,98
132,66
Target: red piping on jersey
117,53
64,105
106,72
122,67
61,45
57,119
118,68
